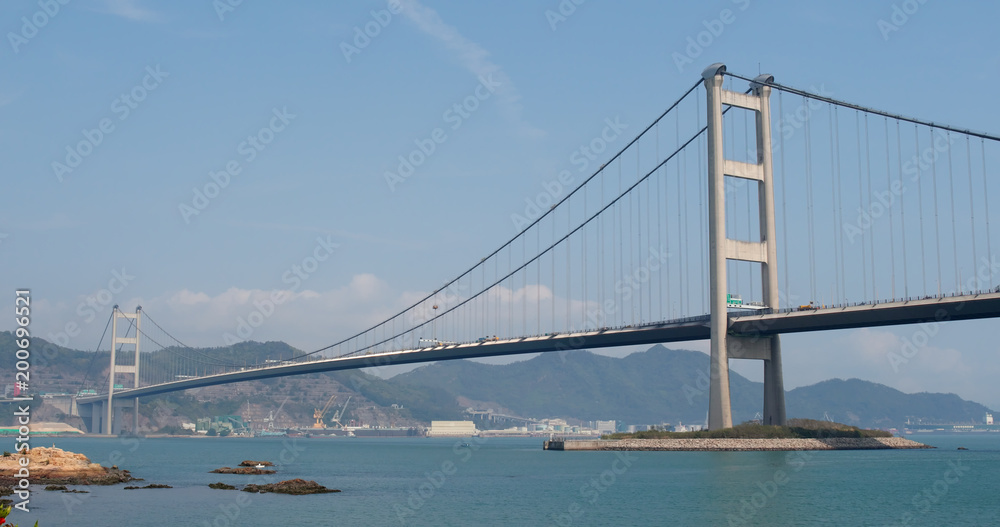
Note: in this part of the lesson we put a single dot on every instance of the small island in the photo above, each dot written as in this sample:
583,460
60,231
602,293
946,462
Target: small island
798,434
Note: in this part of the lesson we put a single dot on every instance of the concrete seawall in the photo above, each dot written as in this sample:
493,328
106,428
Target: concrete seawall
867,443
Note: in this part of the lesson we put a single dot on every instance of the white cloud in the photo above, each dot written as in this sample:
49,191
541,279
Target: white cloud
472,57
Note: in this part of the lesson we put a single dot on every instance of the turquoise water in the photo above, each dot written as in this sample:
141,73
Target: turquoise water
420,481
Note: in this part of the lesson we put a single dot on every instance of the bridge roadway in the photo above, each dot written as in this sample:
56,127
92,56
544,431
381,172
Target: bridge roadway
964,307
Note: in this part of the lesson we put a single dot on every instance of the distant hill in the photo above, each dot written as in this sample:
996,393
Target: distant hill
658,385
855,401
662,384
62,370
651,387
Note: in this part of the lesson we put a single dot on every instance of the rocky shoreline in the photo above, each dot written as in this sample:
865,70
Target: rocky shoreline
59,467
738,445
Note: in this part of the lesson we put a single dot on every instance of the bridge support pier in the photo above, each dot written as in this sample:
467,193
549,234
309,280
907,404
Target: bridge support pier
722,248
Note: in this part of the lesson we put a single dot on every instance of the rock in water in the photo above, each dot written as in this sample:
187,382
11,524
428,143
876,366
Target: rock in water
291,486
241,470
248,463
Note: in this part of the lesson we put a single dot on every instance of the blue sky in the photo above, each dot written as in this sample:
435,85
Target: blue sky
336,121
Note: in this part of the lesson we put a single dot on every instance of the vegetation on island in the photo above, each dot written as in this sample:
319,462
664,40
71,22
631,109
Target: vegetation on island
795,429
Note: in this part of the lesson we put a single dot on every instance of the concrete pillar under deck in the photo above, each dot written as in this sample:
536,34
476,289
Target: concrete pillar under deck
96,414
116,423
774,386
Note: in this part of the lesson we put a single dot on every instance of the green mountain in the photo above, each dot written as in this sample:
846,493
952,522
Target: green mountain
665,385
655,386
855,401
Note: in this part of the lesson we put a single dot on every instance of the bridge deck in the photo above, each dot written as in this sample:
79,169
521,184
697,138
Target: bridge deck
965,307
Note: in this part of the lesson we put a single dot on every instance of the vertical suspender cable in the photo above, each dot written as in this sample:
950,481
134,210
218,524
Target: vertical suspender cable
600,254
511,332
631,254
861,204
524,289
892,231
902,210
954,230
871,234
681,249
784,195
649,242
552,257
702,191
920,207
659,225
686,264
809,206
972,212
937,224
833,197
986,196
569,274
840,207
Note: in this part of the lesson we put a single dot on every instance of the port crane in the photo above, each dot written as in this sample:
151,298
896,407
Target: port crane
318,414
271,416
340,413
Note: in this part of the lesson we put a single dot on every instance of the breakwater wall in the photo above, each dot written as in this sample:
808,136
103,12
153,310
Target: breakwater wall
866,443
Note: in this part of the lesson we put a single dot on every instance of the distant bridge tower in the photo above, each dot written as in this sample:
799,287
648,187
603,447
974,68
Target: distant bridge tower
722,248
132,368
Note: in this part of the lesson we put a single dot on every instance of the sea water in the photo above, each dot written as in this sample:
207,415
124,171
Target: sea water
472,481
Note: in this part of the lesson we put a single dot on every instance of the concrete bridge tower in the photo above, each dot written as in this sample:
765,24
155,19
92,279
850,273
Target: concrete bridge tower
721,248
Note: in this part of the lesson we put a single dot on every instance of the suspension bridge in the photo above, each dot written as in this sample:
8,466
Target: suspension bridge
879,219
